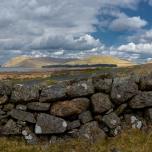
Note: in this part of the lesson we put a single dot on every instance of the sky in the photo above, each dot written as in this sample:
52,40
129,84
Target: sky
76,28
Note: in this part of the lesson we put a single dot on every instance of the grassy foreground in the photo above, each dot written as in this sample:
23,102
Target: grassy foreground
130,141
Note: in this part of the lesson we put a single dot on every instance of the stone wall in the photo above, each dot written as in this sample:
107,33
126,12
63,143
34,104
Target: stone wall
92,108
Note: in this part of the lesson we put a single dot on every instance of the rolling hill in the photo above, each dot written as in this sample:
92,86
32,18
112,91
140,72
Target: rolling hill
101,60
23,61
29,62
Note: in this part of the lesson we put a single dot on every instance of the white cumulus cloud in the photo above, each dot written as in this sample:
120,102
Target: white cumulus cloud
61,27
138,48
127,23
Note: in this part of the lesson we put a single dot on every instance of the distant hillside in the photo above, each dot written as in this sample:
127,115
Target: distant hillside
14,62
101,60
22,61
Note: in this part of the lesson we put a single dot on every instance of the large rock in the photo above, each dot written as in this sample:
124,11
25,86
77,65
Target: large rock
10,128
111,120
74,124
5,88
81,88
53,93
8,107
22,93
37,106
123,89
103,85
70,108
47,124
146,83
22,115
101,103
5,91
91,131
85,117
142,100
121,109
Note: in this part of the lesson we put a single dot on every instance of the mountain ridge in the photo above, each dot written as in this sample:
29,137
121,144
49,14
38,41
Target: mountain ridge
30,62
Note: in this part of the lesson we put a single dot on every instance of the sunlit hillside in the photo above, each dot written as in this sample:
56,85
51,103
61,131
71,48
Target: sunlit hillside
23,61
16,61
102,60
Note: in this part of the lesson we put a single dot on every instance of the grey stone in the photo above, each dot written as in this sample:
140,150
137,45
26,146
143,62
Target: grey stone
8,107
103,85
11,128
53,93
133,121
3,119
142,100
5,88
22,93
101,103
58,140
148,114
123,89
29,136
81,88
3,99
21,123
85,117
146,83
54,140
74,124
121,109
22,115
21,107
2,112
136,123
115,131
37,106
109,111
47,124
127,120
91,131
74,133
69,108
135,77
111,120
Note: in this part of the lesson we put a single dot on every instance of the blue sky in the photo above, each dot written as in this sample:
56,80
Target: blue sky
76,28
110,37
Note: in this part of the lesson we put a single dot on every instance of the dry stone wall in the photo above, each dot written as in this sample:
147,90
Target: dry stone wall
92,108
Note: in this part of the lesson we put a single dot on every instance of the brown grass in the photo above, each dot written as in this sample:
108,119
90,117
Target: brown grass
129,141
43,74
